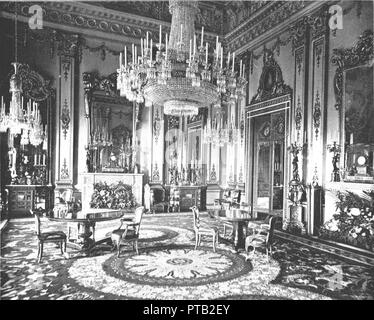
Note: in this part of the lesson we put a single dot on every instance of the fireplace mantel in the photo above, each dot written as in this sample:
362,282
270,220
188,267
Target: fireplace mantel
89,179
349,186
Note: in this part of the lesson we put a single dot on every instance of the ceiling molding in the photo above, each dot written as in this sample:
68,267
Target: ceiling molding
260,30
96,22
106,24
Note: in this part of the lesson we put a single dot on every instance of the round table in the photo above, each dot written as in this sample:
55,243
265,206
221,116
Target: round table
88,223
238,218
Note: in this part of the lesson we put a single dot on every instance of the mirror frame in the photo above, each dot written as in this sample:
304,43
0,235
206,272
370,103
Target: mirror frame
92,83
359,55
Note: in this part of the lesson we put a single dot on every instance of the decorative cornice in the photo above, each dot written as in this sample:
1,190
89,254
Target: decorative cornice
319,22
272,16
84,16
34,86
361,53
298,33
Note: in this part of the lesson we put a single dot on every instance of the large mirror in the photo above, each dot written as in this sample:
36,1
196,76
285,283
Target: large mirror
111,126
358,124
354,96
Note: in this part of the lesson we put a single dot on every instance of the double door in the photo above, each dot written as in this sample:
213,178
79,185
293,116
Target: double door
269,163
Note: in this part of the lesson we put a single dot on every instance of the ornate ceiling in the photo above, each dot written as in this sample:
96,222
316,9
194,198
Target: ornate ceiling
216,16
240,23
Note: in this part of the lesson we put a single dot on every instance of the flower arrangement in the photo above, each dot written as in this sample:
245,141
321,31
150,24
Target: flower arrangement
355,223
113,196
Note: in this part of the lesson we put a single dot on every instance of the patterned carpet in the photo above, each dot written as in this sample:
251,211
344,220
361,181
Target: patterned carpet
168,268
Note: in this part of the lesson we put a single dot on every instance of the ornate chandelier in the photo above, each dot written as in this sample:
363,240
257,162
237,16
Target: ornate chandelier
181,76
219,132
17,120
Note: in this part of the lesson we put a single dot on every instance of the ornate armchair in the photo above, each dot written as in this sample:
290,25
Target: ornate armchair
262,237
130,232
203,229
224,201
235,198
58,237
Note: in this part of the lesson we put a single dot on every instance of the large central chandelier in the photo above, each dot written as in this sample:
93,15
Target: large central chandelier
179,75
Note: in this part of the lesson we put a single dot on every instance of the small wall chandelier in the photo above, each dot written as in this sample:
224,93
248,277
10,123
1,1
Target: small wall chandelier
18,120
219,132
179,76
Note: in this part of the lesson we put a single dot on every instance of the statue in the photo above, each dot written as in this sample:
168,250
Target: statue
335,149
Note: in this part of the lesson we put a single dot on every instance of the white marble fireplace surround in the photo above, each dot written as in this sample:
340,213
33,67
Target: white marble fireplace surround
89,179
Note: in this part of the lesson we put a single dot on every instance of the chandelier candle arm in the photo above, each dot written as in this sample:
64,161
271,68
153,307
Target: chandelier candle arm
206,55
202,36
233,61
160,36
180,79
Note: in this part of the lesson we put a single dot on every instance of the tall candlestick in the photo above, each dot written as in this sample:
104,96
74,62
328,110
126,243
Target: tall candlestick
44,159
228,60
180,39
125,56
202,36
240,70
206,53
151,48
35,160
160,36
120,60
141,46
132,52
243,73
221,58
190,50
147,41
136,53
217,46
194,44
166,45
233,61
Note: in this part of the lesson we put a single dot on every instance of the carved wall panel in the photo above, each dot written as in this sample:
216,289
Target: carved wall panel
319,33
157,166
68,52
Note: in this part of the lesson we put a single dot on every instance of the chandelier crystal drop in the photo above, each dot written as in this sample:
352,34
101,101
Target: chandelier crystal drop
180,74
219,132
18,120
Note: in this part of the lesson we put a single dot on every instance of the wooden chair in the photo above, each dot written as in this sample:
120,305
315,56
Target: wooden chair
262,237
259,225
58,237
205,230
130,232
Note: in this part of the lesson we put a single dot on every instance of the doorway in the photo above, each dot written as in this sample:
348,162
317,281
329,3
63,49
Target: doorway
269,164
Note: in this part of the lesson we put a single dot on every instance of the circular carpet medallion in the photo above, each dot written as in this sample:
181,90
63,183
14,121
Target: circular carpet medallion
148,234
177,266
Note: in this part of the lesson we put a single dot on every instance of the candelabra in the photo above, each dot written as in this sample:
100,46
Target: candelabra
335,149
218,132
